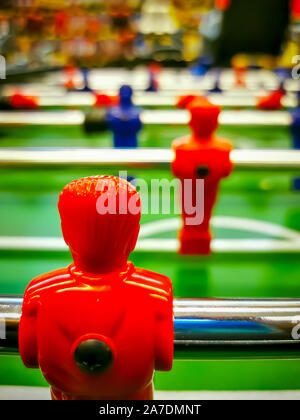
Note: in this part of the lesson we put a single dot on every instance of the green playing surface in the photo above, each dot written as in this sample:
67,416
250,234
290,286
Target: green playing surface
150,136
28,200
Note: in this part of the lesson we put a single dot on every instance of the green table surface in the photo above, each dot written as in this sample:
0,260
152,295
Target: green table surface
150,136
28,200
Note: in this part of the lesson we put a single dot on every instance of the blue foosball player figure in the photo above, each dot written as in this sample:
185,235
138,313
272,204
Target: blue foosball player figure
295,132
202,66
124,120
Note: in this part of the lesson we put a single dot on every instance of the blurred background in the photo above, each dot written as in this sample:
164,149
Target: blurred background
103,33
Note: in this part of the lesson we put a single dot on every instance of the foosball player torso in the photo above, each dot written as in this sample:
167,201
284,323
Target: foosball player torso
124,120
200,155
99,328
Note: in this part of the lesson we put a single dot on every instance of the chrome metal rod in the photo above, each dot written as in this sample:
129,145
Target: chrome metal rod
236,328
161,245
86,99
208,328
242,159
148,117
10,313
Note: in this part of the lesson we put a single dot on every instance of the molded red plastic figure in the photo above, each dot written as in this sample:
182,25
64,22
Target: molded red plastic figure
102,100
70,72
239,65
222,4
20,101
271,101
99,328
199,156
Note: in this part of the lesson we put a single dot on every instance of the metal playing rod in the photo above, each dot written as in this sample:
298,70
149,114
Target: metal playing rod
236,328
56,91
148,117
87,99
208,328
162,245
274,160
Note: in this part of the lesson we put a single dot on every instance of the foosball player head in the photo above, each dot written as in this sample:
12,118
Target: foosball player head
125,96
204,118
204,114
201,67
99,328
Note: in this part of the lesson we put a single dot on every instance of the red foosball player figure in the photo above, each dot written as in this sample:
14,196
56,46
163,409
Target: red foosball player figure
271,102
69,73
239,66
20,101
99,328
239,73
103,101
201,161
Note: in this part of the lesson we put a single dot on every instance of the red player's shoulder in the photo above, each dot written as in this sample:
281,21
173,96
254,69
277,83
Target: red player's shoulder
188,143
158,282
47,279
181,142
223,144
